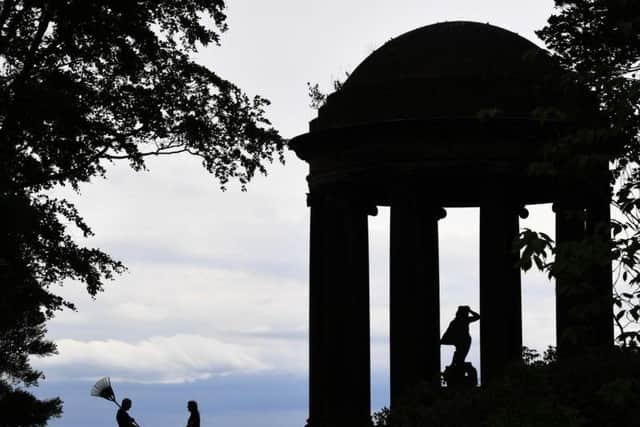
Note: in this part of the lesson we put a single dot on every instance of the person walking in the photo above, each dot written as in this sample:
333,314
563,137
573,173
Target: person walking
194,415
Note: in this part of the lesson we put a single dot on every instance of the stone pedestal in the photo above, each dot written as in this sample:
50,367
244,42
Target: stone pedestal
461,376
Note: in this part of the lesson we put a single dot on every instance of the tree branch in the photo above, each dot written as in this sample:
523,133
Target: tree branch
29,62
102,154
633,69
13,25
4,14
158,152
69,173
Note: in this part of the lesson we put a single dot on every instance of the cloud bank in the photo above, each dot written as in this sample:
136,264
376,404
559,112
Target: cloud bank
174,359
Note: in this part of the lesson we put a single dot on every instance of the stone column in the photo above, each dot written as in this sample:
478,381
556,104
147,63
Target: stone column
598,218
414,296
339,353
500,289
584,295
570,232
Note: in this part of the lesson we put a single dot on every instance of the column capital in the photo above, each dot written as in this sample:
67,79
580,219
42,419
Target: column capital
438,212
567,204
511,206
432,211
342,197
523,212
425,207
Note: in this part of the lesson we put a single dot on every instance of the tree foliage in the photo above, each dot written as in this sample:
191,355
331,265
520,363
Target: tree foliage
317,98
88,81
597,390
84,83
598,43
19,408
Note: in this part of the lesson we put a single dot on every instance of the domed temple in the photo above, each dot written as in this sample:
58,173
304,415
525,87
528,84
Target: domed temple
448,115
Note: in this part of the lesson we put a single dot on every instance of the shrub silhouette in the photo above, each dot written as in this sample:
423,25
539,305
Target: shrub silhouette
593,390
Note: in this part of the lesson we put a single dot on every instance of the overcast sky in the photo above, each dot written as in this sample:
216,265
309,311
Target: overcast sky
214,305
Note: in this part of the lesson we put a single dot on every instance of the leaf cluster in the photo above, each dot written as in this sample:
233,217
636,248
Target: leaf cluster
317,97
18,408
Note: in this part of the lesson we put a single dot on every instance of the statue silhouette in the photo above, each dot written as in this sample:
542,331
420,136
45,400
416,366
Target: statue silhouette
460,373
194,417
457,333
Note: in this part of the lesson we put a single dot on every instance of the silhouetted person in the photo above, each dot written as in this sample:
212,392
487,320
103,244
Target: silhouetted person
123,418
194,417
457,333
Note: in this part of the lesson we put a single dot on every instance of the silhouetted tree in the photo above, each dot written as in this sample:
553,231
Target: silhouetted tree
84,83
19,408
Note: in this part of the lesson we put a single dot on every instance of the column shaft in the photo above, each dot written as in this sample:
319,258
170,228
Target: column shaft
500,290
570,230
598,227
414,297
339,314
570,233
584,296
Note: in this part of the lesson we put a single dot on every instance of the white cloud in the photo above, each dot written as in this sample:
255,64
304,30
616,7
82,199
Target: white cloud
174,299
178,358
176,213
202,322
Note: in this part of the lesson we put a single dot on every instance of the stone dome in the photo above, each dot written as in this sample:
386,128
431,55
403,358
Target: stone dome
444,71
452,50
441,108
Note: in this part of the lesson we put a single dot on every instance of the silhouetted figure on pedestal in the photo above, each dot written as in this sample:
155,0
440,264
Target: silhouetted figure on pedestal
457,334
123,418
194,417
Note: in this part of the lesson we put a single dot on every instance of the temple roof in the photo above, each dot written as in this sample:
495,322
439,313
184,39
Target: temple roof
451,50
453,110
447,70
